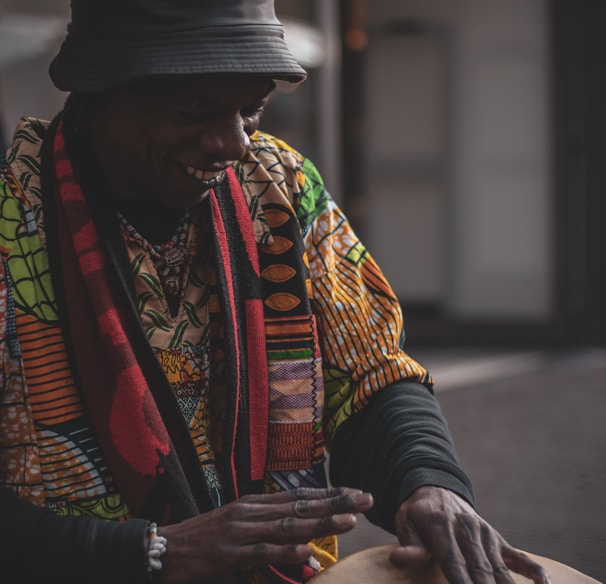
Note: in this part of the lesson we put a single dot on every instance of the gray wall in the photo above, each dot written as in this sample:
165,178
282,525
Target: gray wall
31,31
459,146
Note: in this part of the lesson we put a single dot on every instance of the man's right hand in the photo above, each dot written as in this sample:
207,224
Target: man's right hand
257,530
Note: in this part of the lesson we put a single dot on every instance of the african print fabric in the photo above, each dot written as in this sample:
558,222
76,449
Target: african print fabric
355,318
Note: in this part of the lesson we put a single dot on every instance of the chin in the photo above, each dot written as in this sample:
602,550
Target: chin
183,200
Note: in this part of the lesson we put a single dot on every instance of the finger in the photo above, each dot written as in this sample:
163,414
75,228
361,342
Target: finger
454,567
348,502
446,551
301,493
521,564
411,557
252,509
471,540
493,545
412,553
294,529
262,554
302,530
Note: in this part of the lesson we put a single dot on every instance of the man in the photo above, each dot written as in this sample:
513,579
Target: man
187,317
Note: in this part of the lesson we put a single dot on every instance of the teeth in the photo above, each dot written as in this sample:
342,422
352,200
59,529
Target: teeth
203,174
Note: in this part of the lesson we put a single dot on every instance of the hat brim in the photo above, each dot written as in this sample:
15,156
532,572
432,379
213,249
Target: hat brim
91,65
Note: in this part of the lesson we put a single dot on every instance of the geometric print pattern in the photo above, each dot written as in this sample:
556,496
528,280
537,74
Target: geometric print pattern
296,395
48,453
355,318
356,310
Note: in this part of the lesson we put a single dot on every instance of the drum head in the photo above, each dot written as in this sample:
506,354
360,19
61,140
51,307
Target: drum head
373,566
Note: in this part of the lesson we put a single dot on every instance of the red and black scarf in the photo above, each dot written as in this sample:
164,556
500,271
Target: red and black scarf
132,410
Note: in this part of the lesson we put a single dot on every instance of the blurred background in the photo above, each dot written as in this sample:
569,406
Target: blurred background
465,140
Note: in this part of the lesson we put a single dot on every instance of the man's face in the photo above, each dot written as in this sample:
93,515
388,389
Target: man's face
171,138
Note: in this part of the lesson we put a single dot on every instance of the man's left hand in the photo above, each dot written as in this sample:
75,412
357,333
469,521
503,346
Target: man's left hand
435,523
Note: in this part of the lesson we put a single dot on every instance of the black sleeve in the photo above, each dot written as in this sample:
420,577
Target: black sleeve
37,545
397,443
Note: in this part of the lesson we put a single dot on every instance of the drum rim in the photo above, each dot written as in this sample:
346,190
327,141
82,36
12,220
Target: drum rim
381,553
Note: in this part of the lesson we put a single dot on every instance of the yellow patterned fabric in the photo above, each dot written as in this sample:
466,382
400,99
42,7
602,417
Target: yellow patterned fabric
357,313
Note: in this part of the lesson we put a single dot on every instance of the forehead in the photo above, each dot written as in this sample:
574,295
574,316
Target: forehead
218,90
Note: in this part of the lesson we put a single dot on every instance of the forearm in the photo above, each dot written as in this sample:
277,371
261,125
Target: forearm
38,545
397,443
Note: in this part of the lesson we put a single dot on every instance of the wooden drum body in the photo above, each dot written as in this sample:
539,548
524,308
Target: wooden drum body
372,566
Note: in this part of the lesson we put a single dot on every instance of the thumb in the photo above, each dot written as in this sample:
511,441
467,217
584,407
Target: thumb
411,553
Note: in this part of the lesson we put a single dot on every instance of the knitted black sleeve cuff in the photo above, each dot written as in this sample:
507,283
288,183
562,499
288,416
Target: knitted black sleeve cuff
396,444
38,545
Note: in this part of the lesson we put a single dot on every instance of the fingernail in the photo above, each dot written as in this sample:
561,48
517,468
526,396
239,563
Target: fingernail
345,519
361,498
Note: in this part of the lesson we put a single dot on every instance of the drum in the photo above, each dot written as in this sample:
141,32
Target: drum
372,566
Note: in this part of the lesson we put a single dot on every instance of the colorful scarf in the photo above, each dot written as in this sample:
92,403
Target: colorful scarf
141,431
272,353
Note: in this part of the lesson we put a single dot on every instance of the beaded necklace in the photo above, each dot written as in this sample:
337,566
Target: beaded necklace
169,257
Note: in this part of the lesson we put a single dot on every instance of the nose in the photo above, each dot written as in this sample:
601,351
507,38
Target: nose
225,140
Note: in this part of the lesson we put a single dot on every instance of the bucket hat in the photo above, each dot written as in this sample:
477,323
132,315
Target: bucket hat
111,42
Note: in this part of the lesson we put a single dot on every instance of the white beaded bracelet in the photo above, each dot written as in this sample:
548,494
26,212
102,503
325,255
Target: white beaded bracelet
155,549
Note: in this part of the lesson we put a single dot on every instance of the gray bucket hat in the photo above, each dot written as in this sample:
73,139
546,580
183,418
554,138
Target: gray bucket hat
110,42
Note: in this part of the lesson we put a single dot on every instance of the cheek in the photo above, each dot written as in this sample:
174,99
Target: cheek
169,139
156,146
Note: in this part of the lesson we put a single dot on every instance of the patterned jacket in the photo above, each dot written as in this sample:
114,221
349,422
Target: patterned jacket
48,451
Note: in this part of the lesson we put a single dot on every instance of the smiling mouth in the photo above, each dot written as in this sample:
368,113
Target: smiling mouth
207,179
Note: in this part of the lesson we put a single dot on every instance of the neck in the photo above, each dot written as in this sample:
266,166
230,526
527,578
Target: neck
154,221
